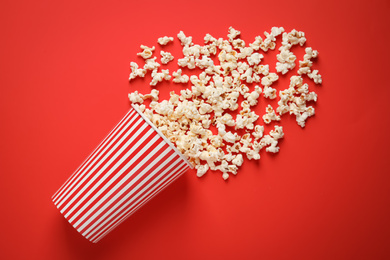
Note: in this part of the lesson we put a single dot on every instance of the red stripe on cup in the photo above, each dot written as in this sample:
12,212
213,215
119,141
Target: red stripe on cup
129,167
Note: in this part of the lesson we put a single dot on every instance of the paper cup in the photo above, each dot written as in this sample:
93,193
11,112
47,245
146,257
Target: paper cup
132,164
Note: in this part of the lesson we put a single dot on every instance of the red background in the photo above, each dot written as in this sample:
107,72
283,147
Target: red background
63,82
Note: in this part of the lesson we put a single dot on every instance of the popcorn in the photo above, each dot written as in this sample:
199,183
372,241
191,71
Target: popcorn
186,118
233,33
269,92
255,58
147,52
315,76
257,43
164,40
269,41
201,169
135,97
270,115
230,137
188,61
151,64
238,160
269,79
179,78
135,71
185,41
166,57
159,76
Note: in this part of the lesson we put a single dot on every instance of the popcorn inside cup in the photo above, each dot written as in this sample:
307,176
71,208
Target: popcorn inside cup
231,71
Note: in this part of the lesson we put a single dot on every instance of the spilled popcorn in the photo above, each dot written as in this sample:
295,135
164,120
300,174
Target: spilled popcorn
187,117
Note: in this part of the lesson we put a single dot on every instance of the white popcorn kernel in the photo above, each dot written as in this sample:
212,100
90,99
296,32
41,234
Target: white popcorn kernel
295,37
147,52
166,57
179,78
255,58
245,52
164,40
261,69
277,133
232,169
201,169
153,95
315,76
270,115
310,54
269,41
135,71
188,61
269,79
185,41
159,76
151,64
141,107
238,160
225,176
233,33
205,108
258,132
230,137
238,43
253,96
204,63
256,44
208,38
269,92
136,97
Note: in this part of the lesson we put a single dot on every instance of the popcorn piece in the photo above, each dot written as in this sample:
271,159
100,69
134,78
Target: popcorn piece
230,137
256,44
185,41
147,52
233,33
153,95
258,132
135,71
269,41
269,92
151,64
270,115
159,76
269,79
238,160
188,61
201,169
255,58
164,40
179,78
136,97
166,57
286,60
315,76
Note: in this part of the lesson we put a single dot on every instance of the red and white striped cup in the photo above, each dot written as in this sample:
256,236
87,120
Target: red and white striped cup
132,164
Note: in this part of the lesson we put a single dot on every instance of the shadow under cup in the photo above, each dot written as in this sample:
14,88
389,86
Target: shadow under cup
129,167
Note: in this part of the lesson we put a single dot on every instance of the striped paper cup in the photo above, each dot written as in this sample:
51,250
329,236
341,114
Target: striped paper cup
132,164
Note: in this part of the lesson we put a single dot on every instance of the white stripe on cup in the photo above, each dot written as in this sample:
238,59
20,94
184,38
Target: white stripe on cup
87,172
128,186
147,197
111,169
111,215
127,176
61,190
